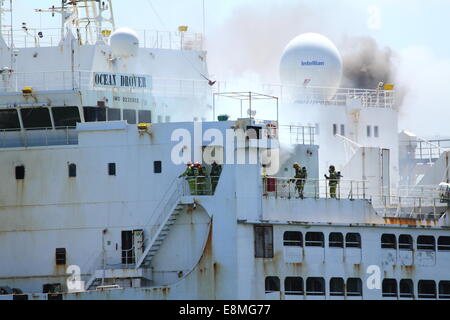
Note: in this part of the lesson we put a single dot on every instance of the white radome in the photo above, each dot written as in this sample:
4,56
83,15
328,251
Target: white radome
312,60
124,43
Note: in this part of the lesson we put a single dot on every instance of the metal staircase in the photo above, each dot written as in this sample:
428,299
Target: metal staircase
156,230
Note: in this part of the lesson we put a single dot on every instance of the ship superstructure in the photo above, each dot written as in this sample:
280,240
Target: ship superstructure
96,131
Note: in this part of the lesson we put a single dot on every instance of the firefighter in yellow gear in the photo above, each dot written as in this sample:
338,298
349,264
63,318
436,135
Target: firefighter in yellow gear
189,174
333,181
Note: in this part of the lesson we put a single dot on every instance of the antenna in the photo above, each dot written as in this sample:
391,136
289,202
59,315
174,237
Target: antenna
85,15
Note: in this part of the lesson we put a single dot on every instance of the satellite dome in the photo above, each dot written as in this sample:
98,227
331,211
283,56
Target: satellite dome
124,42
311,60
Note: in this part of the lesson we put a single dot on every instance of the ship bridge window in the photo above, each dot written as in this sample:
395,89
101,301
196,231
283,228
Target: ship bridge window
390,288
426,243
94,114
406,288
337,286
336,240
145,116
405,242
130,116
427,289
60,256
20,172
353,240
263,241
354,287
293,286
272,284
36,118
315,239
293,239
315,286
9,120
444,290
113,114
66,117
444,244
388,241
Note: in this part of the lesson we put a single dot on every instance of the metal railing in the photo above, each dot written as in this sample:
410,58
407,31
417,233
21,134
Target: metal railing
318,95
288,188
38,137
410,207
152,39
199,186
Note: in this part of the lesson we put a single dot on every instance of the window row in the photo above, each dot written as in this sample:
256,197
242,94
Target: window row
426,289
63,117
316,239
315,286
264,241
72,170
405,242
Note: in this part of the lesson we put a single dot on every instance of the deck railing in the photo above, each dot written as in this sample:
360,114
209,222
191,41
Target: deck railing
287,188
38,137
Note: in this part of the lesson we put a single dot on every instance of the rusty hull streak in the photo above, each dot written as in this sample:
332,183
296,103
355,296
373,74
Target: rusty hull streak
411,222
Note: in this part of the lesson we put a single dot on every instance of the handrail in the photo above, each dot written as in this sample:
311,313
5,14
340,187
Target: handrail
163,212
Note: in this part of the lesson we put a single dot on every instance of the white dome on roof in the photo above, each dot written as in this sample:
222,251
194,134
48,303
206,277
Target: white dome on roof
124,42
312,60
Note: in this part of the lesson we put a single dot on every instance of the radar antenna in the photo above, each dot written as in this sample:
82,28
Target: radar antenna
92,20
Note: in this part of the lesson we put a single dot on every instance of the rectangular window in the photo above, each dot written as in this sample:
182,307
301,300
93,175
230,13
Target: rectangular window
72,170
426,243
444,244
335,129
112,169
60,256
336,240
36,118
406,288
337,287
342,130
114,114
94,114
376,132
20,172
390,288
9,120
315,287
145,116
129,116
157,167
427,289
405,242
293,286
263,241
293,239
66,117
354,287
272,284
353,240
388,241
315,239
369,131
444,290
